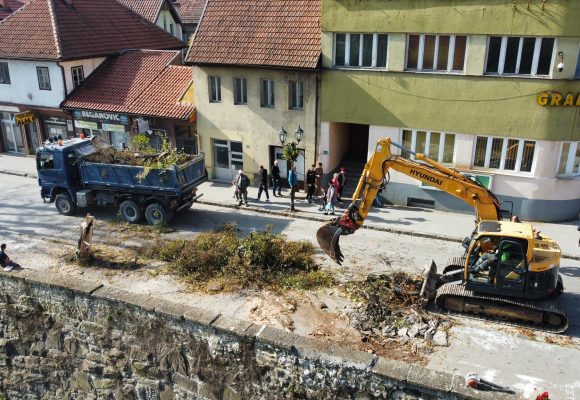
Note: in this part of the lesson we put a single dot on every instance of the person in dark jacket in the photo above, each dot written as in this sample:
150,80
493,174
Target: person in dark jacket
341,183
310,181
5,261
263,183
276,179
242,182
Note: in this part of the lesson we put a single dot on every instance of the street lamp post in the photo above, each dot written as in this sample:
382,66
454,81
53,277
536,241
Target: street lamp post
290,150
290,153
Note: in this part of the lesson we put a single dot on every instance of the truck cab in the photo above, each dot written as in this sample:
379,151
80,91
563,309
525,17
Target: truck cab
57,167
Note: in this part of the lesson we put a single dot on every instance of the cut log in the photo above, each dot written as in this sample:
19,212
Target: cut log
84,245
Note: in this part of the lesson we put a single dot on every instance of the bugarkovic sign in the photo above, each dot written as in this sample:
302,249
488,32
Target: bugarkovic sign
101,116
24,118
558,99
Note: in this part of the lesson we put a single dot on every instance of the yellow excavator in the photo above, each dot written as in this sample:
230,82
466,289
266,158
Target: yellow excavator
508,272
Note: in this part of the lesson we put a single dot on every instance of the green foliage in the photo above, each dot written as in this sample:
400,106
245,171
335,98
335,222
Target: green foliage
290,153
258,260
140,143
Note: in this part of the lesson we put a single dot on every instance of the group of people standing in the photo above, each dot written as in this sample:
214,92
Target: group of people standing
314,188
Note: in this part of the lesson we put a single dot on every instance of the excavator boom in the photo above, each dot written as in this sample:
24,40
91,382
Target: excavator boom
485,204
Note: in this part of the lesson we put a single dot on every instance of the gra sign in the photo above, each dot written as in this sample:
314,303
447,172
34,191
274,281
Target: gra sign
558,99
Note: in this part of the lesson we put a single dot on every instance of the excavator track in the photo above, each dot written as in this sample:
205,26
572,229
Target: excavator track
544,315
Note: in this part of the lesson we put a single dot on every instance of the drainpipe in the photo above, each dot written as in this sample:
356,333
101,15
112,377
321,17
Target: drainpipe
65,95
317,75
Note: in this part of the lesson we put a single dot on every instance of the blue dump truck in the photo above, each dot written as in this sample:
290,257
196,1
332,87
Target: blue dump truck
157,195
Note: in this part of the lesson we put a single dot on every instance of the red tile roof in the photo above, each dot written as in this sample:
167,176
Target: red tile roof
190,10
7,7
277,33
140,82
148,9
48,29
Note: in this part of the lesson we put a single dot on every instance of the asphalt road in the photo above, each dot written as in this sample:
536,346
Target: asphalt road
474,347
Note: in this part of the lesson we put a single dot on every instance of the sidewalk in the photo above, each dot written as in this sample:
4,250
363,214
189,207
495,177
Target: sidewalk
396,219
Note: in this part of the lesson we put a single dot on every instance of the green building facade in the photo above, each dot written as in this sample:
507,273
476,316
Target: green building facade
491,88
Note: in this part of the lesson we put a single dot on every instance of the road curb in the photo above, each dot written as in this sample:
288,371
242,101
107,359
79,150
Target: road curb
298,215
18,173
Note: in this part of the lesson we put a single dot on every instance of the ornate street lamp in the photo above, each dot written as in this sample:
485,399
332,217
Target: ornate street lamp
283,135
299,133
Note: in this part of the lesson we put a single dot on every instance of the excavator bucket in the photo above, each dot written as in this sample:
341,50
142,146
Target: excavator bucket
328,236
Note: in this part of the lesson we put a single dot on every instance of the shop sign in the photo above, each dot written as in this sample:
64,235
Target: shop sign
101,116
558,99
113,127
25,118
86,125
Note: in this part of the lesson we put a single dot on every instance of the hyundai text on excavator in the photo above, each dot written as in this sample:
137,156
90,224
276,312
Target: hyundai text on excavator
518,282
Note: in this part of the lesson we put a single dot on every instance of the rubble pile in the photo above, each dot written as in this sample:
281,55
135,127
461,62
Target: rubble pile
389,310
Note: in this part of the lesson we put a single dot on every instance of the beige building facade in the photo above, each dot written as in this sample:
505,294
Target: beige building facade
240,112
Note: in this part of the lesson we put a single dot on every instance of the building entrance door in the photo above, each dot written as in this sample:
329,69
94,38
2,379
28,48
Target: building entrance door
13,141
227,159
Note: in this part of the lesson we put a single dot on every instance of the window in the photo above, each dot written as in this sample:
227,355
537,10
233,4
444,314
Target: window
296,95
215,89
438,146
4,74
514,55
367,50
78,75
569,159
43,78
44,161
267,93
436,53
504,153
171,29
240,91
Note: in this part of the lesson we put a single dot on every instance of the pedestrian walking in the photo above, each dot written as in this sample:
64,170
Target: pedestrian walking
242,182
322,200
330,199
263,183
377,202
334,181
276,179
310,182
293,182
236,188
5,261
318,189
341,182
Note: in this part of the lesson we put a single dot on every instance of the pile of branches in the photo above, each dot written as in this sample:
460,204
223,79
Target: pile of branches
162,160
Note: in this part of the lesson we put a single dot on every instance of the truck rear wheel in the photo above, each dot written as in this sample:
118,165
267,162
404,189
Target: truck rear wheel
130,211
64,204
156,214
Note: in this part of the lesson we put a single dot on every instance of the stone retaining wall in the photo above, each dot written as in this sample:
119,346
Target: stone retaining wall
63,338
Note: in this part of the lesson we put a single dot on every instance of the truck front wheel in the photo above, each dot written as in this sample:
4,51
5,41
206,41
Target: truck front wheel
156,214
64,204
130,211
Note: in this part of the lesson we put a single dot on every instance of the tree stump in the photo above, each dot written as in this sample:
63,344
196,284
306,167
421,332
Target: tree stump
84,245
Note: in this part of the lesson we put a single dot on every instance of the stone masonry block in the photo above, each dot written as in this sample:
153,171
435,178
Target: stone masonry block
117,295
436,381
206,392
395,370
311,348
235,326
277,337
354,358
171,309
64,281
200,316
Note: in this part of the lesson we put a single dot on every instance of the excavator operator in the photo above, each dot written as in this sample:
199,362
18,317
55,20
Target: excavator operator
487,256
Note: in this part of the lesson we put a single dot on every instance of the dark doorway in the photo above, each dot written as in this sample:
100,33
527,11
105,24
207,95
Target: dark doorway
358,142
